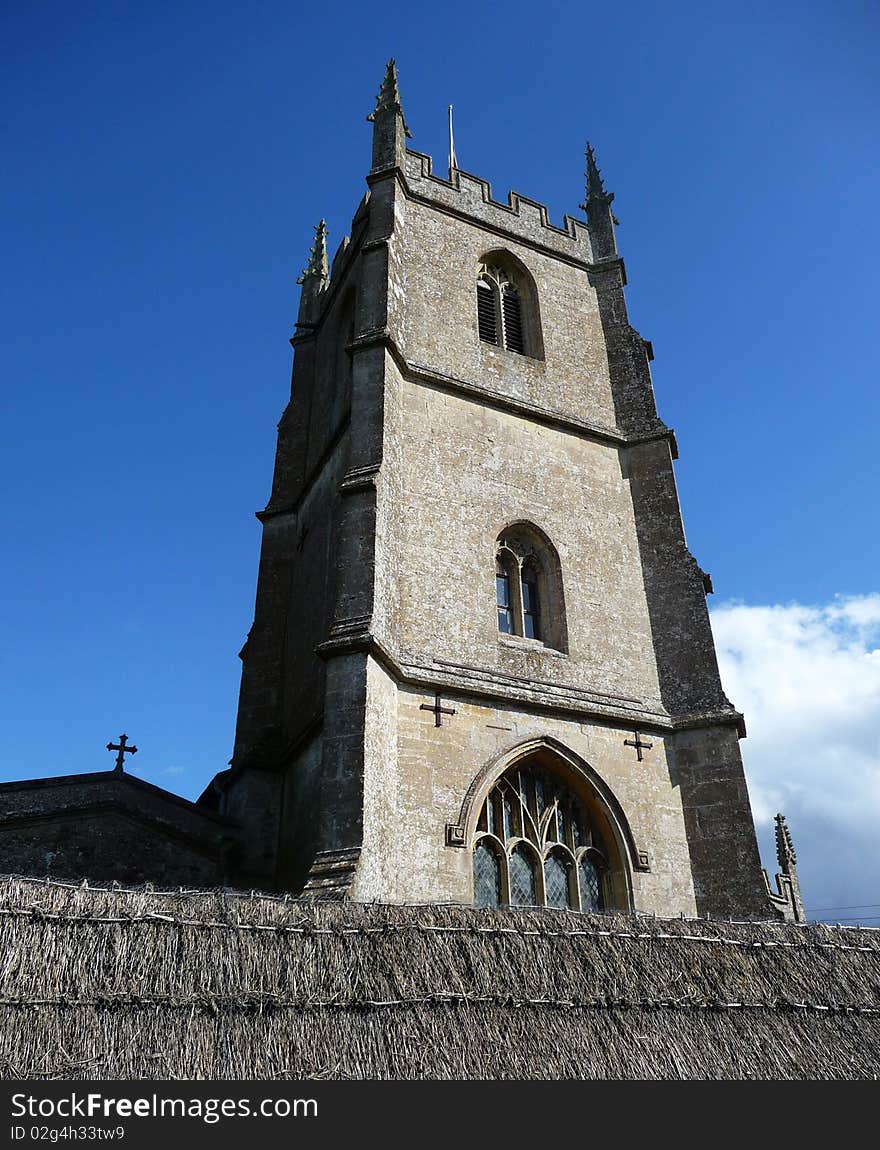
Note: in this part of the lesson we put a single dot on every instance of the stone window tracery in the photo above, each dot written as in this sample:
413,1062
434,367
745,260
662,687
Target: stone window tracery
528,587
536,845
507,312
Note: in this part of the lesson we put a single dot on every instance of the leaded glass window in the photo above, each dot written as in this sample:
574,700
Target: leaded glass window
487,876
556,882
522,878
536,844
509,803
590,885
577,836
496,814
537,782
560,823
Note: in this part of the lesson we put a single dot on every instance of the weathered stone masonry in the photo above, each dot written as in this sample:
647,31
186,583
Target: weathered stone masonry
408,445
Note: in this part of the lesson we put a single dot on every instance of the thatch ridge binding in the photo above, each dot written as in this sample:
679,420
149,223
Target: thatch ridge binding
276,1002
427,928
134,983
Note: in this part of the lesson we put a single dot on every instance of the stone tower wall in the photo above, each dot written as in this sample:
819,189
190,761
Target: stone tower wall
377,577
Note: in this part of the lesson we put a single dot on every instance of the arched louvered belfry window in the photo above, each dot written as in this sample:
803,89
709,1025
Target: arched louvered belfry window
536,844
487,310
506,311
528,587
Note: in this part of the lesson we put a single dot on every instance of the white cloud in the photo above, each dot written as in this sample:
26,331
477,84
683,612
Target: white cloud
808,681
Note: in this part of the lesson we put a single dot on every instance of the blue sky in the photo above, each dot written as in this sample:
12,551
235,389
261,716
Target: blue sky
165,166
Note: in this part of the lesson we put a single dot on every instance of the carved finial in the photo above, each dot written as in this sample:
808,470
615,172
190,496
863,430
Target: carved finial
787,900
785,852
596,193
314,279
597,205
318,265
388,99
595,184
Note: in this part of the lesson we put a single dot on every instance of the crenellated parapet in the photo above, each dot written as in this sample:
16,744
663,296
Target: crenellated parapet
521,218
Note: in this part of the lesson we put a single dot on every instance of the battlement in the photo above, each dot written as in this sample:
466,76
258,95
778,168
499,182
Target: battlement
470,197
522,217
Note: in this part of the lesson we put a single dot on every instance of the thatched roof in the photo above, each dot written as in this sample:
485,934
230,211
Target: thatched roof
98,983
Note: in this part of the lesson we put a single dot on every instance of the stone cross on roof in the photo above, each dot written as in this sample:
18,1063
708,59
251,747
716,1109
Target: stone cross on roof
123,750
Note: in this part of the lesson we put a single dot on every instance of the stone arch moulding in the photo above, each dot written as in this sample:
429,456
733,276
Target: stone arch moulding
525,280
578,769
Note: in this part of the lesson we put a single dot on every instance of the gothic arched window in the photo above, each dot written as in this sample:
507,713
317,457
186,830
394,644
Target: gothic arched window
506,312
528,587
536,845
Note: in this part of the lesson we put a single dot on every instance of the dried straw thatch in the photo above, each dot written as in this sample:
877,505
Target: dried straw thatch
130,984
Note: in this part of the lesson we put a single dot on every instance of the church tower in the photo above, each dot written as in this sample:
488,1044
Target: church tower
481,667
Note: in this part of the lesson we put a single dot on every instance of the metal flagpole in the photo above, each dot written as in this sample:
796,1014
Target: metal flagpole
453,162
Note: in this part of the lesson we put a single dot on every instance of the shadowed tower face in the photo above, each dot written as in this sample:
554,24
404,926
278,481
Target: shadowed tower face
481,667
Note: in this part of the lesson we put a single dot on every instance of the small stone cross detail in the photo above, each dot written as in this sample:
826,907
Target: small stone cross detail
437,709
638,744
123,750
